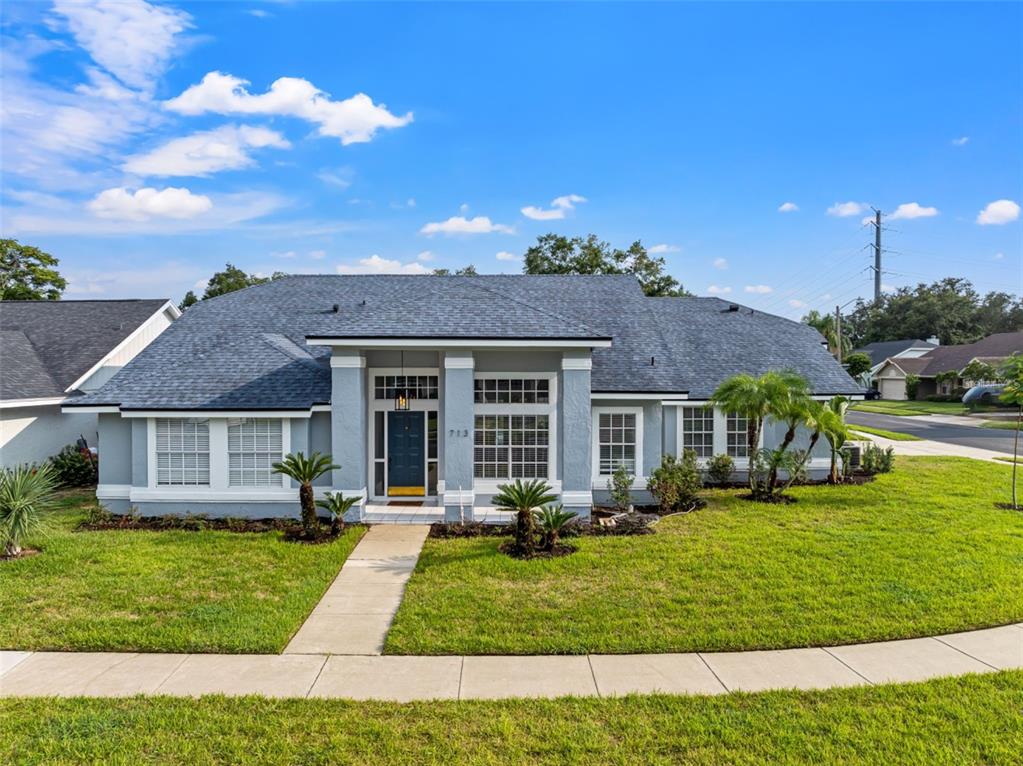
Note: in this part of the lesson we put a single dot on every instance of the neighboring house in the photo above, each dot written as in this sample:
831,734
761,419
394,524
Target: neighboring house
434,389
52,352
946,363
882,351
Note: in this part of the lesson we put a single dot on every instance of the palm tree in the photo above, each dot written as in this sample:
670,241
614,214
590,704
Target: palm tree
836,432
790,409
817,418
306,470
755,399
524,498
26,494
337,505
825,325
1011,371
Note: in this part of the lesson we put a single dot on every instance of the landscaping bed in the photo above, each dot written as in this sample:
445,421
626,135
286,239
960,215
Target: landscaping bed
179,590
973,719
917,552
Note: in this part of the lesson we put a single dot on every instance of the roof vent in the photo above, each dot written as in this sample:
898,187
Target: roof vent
336,308
732,308
653,361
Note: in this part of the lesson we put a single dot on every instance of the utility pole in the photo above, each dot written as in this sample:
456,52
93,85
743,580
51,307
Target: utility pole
838,332
877,254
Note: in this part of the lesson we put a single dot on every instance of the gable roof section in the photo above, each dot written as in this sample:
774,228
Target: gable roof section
48,345
884,349
249,350
949,358
907,365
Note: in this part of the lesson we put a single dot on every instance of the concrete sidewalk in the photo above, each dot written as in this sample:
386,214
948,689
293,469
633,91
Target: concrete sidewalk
401,678
932,448
356,612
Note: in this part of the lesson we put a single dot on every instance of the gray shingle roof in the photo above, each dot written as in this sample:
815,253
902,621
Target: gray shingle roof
45,346
881,350
248,350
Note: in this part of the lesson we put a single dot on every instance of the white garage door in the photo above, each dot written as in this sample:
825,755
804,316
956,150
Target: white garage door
892,388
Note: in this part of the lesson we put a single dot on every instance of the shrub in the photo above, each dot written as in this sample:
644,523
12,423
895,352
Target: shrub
875,460
553,521
720,468
26,494
912,384
620,487
71,468
675,482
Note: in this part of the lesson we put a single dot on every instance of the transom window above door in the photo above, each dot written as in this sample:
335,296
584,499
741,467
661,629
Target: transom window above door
416,386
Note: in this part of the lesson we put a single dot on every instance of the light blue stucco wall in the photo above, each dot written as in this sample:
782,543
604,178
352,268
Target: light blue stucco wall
457,437
348,436
115,456
139,452
575,434
319,441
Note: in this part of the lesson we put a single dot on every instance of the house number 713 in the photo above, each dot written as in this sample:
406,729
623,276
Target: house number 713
458,432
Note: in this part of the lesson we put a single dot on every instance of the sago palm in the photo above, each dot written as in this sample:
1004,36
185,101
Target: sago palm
337,505
524,498
553,519
306,470
26,494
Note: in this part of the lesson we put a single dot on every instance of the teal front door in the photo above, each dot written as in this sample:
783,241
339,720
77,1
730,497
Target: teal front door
406,461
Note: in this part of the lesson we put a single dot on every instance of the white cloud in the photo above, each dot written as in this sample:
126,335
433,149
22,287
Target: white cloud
131,39
121,204
259,13
715,290
758,289
663,248
504,255
377,265
559,206
426,255
353,120
206,152
961,141
721,263
151,281
318,255
788,207
286,254
909,210
997,256
410,202
339,177
998,212
463,208
461,225
846,209
797,304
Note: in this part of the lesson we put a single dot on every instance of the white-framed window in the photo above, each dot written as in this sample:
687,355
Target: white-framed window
417,386
182,452
698,430
253,446
511,447
511,390
737,436
618,440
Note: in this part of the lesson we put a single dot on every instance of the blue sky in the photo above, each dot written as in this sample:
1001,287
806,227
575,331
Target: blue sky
147,144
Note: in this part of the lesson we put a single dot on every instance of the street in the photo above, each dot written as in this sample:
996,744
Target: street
925,428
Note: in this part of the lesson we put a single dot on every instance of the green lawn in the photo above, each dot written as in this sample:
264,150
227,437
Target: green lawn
889,407
920,551
1005,425
893,435
162,591
973,719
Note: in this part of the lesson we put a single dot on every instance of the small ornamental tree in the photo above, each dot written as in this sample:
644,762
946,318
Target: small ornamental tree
306,470
26,495
675,482
620,487
1011,371
857,364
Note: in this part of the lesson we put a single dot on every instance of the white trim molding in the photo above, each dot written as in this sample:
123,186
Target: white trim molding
459,362
577,497
473,343
214,414
99,409
626,396
576,363
595,414
113,491
10,404
347,361
465,497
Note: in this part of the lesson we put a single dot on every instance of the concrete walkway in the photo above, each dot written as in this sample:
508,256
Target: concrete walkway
356,612
931,448
405,679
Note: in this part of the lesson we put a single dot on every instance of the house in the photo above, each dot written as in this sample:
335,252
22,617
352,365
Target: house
53,352
881,351
433,390
940,370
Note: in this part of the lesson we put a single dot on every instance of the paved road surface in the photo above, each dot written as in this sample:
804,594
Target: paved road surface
968,436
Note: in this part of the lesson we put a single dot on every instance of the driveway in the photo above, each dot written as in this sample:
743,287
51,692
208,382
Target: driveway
935,430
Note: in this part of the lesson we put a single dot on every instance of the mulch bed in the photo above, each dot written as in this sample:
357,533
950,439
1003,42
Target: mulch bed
292,529
559,550
1009,507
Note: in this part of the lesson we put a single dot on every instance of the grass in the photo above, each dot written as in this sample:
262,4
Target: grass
910,407
918,552
972,719
172,591
1004,425
1010,460
893,435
